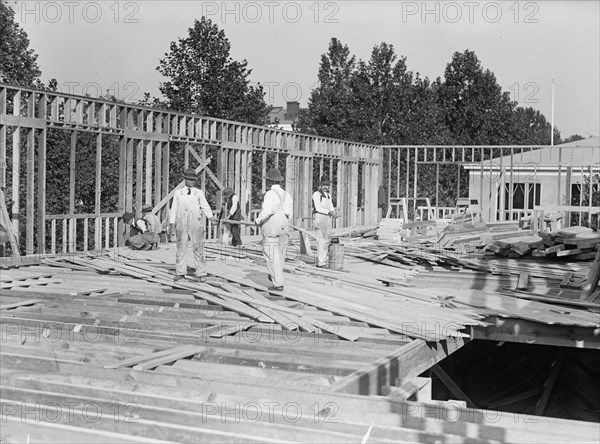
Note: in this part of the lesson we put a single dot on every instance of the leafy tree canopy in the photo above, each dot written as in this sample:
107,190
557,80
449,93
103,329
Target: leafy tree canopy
204,79
382,102
18,63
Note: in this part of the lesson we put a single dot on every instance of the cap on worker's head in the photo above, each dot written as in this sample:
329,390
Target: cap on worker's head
127,217
324,180
274,175
190,174
146,208
227,193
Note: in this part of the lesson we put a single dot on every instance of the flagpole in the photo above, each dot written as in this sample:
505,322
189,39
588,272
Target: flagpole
552,118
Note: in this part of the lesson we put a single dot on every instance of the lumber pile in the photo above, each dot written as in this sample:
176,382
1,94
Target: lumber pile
515,247
390,230
576,243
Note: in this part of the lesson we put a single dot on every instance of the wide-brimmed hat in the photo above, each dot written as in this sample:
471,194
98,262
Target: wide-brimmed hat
227,192
127,217
146,208
190,174
324,179
274,175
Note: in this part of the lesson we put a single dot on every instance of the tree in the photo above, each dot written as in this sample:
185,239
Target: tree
18,63
477,112
530,127
378,102
204,79
329,112
573,138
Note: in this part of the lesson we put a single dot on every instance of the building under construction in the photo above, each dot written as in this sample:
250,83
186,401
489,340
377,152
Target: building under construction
466,309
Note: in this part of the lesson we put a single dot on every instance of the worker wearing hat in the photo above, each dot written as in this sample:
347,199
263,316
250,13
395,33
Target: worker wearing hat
323,212
187,220
232,211
147,229
274,220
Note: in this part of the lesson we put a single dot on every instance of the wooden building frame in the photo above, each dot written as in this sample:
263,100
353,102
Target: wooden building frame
145,136
403,167
224,153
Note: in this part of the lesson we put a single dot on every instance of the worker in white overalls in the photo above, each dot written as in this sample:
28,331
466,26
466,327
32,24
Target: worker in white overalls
274,220
323,212
187,220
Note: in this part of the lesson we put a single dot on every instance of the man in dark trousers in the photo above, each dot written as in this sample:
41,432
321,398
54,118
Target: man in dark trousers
232,211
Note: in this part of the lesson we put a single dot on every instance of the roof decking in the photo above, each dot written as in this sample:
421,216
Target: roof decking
226,361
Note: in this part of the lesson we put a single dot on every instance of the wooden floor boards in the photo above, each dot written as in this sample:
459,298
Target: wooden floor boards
227,361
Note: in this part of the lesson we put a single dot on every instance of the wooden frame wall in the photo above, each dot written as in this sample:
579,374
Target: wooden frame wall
145,135
402,164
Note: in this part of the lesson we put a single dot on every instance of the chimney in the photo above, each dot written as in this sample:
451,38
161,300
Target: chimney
292,111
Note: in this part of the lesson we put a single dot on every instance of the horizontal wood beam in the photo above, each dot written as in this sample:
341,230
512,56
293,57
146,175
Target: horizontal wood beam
144,135
407,362
528,332
22,121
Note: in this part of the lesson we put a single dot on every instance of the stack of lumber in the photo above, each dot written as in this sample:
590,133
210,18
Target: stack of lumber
576,243
476,235
515,247
390,230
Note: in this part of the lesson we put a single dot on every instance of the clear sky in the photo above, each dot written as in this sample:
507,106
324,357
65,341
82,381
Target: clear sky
90,46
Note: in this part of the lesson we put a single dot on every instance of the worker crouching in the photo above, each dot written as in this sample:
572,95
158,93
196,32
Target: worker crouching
142,234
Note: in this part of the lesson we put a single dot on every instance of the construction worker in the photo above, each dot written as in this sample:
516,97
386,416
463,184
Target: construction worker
232,211
187,220
147,229
274,220
323,212
131,228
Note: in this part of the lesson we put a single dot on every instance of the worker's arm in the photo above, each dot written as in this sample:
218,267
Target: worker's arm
174,208
204,206
288,207
173,213
140,224
322,206
234,204
268,207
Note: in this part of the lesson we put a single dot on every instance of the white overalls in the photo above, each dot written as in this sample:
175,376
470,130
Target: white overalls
187,213
322,224
273,219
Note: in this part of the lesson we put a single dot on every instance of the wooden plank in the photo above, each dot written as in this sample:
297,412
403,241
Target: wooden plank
592,280
20,304
406,362
566,280
226,330
451,385
158,207
6,223
41,181
555,249
30,197
148,173
157,173
523,281
16,168
572,252
153,360
278,317
543,403
98,192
